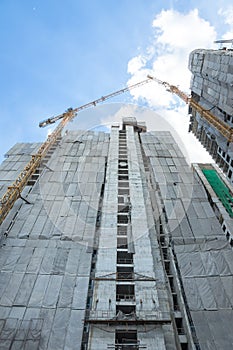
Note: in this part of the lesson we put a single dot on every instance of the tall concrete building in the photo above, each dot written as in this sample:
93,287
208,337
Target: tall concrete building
115,243
212,88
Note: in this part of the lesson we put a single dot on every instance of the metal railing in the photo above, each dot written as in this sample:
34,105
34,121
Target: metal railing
145,315
125,297
127,346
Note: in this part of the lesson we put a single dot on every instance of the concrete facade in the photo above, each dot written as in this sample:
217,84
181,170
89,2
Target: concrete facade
118,247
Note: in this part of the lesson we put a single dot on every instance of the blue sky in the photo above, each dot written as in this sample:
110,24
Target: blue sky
56,54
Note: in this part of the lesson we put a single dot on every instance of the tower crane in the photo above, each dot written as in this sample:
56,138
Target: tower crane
219,124
71,113
14,191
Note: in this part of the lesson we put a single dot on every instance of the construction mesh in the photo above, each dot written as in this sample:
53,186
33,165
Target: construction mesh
220,189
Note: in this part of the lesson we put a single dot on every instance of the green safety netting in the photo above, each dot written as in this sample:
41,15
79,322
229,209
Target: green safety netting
220,189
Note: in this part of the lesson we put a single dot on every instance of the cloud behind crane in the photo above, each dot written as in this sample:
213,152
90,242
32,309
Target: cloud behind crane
166,57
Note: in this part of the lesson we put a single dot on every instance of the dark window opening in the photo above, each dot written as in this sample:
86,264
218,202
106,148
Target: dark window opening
122,172
124,258
126,337
179,325
126,309
123,208
121,199
122,242
121,230
171,284
167,267
122,219
125,292
175,302
125,273
122,156
123,184
123,177
122,191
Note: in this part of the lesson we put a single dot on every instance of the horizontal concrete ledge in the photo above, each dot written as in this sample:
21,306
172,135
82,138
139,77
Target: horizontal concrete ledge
140,317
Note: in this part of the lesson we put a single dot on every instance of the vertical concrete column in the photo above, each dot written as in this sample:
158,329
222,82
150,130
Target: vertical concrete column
104,295
145,291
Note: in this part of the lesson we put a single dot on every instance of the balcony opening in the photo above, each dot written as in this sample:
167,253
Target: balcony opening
125,292
126,309
124,258
122,191
123,184
179,325
121,230
123,172
123,177
123,208
167,266
171,282
175,302
122,242
126,340
125,273
122,218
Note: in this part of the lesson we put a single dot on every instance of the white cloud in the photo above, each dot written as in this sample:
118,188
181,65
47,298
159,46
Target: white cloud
123,110
227,15
136,63
175,36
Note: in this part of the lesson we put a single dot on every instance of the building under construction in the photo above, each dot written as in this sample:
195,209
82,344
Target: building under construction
114,243
212,89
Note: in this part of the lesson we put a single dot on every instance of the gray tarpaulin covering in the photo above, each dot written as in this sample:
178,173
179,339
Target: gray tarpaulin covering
16,159
45,261
204,256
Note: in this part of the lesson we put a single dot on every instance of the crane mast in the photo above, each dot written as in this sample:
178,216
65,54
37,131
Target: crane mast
219,124
14,191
